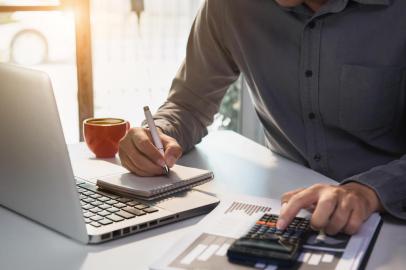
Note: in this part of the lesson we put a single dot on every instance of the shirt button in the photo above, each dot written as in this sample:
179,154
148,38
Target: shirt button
309,73
317,157
311,116
311,24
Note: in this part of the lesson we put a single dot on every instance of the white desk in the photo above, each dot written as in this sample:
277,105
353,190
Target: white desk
239,165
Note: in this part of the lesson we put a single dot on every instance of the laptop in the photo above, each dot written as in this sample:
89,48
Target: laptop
37,180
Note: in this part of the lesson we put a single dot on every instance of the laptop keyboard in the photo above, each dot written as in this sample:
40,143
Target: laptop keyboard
100,208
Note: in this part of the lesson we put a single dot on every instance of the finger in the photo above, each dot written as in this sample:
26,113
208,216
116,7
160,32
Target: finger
340,217
143,142
143,163
287,195
129,165
357,217
298,201
325,208
136,162
173,151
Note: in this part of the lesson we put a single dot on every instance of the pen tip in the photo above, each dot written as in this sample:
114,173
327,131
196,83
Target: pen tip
146,108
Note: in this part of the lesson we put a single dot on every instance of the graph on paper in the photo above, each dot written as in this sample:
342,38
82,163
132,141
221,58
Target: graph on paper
249,209
208,252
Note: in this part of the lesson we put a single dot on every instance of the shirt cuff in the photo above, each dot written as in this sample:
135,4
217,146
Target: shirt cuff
392,199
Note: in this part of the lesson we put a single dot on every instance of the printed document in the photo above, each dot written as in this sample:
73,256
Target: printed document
206,247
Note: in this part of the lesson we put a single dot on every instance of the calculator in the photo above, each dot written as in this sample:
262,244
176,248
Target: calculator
264,243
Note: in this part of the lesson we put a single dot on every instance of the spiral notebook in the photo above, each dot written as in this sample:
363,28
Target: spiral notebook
149,188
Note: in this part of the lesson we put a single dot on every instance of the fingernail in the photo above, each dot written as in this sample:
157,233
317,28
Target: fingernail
161,162
281,224
171,161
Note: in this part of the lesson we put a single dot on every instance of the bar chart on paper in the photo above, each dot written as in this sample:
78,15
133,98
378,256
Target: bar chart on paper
208,252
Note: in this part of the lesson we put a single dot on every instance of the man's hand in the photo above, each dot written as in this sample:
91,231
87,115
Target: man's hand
336,208
139,155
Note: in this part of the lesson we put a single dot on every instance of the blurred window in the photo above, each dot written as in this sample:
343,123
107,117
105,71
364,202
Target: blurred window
138,47
44,40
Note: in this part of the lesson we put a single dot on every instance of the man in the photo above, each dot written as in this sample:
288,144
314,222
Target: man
328,82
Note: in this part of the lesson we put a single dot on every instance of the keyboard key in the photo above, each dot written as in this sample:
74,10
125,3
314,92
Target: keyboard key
104,213
88,200
141,206
96,218
96,203
124,200
105,221
95,196
111,202
96,190
103,199
95,224
95,210
114,218
133,211
82,197
87,193
124,214
87,206
87,220
88,214
133,203
113,209
119,205
104,206
150,210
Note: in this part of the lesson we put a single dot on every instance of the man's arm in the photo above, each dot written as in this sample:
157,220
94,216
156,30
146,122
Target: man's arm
389,183
201,81
346,206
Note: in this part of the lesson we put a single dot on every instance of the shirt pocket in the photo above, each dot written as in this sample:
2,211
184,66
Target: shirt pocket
370,97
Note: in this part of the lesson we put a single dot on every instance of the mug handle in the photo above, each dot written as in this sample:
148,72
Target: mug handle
127,124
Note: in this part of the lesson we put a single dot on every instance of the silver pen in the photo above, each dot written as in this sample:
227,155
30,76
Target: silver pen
155,137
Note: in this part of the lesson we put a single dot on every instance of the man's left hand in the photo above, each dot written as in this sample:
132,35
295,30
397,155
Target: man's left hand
336,208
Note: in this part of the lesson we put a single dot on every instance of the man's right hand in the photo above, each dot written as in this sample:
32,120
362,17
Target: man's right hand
139,155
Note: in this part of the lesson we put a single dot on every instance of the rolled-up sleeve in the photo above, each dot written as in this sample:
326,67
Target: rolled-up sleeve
202,80
388,182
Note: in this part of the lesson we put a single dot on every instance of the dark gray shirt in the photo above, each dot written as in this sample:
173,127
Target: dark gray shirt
329,87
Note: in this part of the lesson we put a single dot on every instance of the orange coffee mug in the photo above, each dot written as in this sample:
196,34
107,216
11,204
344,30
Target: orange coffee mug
102,135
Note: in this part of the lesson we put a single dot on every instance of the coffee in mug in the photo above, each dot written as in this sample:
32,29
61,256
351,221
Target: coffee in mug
102,135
